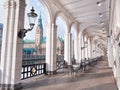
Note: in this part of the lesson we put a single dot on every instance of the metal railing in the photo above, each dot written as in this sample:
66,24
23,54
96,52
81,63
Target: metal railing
33,65
33,70
26,57
33,59
60,64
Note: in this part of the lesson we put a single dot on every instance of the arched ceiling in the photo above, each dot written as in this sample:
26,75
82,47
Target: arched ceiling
96,31
98,37
101,42
88,11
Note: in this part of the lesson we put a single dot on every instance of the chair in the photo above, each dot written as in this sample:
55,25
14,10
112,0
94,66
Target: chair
83,65
65,65
71,70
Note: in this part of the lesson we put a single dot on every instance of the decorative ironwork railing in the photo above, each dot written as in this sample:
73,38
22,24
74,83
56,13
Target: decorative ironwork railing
33,70
60,64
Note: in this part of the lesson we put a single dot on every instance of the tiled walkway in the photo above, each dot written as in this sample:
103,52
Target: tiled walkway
97,77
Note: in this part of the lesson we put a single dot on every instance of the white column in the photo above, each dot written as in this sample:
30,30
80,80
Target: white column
82,49
51,50
116,64
89,49
66,47
79,49
83,54
85,45
115,56
85,49
11,56
72,48
67,52
110,53
91,44
94,50
76,48
81,42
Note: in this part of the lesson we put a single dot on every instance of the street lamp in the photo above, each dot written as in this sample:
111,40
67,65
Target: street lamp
32,17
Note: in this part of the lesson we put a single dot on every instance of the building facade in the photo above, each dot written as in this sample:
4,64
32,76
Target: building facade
38,46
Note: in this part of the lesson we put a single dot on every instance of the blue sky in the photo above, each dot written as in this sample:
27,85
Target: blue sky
38,9
1,11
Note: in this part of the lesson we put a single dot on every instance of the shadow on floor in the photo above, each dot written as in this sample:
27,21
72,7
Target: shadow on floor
55,81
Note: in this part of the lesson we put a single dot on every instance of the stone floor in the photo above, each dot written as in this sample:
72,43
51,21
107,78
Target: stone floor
97,77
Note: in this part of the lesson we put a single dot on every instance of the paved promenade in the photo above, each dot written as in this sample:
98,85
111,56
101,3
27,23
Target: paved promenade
97,77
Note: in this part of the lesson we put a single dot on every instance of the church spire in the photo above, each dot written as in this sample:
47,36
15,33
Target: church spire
40,22
39,35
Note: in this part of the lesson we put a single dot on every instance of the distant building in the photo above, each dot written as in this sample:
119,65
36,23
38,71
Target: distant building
38,46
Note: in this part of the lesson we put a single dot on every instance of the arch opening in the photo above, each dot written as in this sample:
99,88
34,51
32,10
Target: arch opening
34,44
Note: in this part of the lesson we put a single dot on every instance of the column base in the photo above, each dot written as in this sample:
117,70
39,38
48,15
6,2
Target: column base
11,86
51,72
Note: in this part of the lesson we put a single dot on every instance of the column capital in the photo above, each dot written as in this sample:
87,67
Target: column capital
21,2
12,3
6,4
